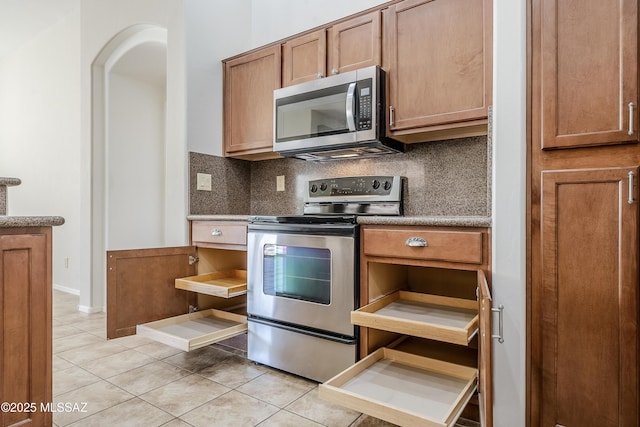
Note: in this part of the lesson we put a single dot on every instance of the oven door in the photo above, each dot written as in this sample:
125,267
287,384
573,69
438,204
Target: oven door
302,279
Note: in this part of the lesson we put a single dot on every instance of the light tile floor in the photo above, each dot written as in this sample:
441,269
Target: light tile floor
134,381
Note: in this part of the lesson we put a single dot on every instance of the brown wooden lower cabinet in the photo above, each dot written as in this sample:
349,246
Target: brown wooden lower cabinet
425,324
25,325
152,292
584,320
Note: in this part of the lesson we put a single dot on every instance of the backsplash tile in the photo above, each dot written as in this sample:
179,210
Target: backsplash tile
230,190
444,178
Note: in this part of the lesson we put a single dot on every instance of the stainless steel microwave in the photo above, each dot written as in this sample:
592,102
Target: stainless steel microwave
337,117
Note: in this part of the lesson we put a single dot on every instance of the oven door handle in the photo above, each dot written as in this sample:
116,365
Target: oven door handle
350,107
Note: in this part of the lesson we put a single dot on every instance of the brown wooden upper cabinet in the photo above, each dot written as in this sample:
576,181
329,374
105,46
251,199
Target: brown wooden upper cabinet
304,58
438,56
249,81
587,71
356,43
345,46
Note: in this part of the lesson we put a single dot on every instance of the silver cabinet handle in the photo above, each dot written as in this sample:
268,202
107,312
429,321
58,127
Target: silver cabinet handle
216,232
630,200
500,311
334,71
631,117
320,75
391,116
416,242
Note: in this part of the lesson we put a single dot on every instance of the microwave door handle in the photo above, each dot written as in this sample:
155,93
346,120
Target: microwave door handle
351,123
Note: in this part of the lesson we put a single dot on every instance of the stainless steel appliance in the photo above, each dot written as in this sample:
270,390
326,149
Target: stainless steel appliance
303,276
337,117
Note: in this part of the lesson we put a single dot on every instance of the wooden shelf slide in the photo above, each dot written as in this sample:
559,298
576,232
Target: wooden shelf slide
453,320
403,388
223,284
195,330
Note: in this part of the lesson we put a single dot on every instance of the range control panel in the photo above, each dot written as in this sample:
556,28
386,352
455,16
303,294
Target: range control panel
382,186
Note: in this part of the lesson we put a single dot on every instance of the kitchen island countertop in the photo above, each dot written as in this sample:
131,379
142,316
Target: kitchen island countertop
30,221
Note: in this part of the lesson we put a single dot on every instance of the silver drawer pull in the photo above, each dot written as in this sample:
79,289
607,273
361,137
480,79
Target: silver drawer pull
631,117
416,242
216,232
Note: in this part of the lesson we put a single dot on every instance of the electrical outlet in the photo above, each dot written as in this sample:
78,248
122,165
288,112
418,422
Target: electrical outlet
203,182
280,183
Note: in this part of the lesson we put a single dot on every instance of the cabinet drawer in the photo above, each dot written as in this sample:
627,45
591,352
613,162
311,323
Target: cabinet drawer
194,330
435,317
219,233
452,246
415,390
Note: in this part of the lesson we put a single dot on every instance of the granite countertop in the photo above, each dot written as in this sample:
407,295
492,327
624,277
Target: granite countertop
449,221
9,182
436,221
30,221
218,217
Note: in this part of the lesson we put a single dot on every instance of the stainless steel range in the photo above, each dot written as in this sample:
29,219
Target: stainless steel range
303,276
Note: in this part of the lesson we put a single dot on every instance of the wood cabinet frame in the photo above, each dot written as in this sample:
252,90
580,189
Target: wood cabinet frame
379,276
25,323
141,284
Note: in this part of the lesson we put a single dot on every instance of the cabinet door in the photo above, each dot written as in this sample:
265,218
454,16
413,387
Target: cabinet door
249,82
25,325
485,383
438,59
304,58
141,287
355,43
588,71
585,309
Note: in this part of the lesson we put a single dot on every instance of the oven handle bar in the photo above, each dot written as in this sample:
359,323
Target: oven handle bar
307,331
349,230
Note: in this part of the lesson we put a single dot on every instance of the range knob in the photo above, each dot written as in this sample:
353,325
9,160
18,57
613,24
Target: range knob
314,188
376,184
387,185
323,186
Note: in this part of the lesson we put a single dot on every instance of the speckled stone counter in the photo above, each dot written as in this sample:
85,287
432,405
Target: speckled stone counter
436,221
4,183
30,221
218,217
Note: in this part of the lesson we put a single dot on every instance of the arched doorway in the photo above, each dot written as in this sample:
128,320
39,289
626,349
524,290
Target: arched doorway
128,148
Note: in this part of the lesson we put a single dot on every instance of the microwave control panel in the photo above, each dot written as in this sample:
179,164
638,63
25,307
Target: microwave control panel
365,114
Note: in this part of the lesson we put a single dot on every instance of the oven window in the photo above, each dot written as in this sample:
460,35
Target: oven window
297,272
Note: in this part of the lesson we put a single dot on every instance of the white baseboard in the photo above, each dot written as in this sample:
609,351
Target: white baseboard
89,310
67,290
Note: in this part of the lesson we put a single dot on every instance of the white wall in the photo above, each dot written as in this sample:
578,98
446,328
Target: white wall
207,44
276,19
100,22
509,209
135,159
40,137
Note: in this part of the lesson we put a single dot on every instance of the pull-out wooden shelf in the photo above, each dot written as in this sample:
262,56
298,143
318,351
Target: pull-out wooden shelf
435,317
194,330
223,284
404,388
